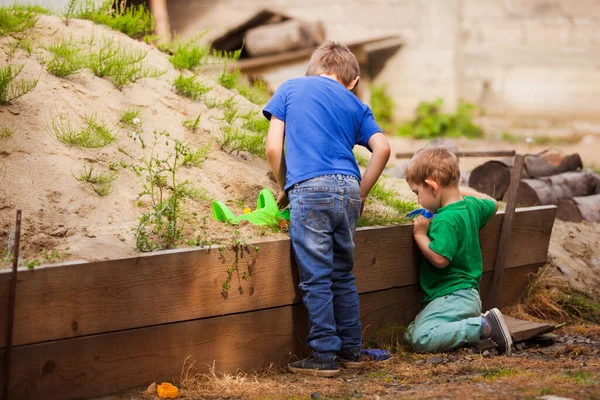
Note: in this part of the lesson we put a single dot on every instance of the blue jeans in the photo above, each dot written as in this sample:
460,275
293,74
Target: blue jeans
323,214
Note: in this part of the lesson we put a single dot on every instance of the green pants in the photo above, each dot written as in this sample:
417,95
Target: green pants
447,322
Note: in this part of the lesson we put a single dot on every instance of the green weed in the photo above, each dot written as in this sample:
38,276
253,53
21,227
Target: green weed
431,122
131,117
196,157
213,103
6,131
18,43
229,79
100,183
581,377
239,247
17,19
190,87
93,134
234,139
255,122
191,54
12,88
31,264
70,11
390,198
192,124
134,21
361,160
230,114
382,106
257,92
67,58
52,256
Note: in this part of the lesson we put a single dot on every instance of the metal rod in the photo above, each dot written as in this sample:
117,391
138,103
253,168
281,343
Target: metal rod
11,307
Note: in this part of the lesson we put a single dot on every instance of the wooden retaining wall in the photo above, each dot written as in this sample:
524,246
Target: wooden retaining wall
91,329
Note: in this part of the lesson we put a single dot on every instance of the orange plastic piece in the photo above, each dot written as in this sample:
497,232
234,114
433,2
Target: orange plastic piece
166,390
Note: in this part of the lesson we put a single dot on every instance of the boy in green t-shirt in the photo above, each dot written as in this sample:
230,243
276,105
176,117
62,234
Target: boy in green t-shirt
452,265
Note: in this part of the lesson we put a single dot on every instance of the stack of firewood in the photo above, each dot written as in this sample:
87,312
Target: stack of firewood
550,177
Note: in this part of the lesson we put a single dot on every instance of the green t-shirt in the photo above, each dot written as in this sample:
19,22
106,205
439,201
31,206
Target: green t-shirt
454,234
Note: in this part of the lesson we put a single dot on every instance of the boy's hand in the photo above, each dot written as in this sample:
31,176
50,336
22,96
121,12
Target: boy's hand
362,206
421,226
282,200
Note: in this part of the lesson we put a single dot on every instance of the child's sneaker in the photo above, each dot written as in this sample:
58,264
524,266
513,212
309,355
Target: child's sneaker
350,358
499,333
325,368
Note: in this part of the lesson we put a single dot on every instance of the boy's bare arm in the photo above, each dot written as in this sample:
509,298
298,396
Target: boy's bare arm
276,156
421,226
464,191
379,158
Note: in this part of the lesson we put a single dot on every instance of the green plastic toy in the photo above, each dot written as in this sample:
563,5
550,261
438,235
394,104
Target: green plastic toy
266,213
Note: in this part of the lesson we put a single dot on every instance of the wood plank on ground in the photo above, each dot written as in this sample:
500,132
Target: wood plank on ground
81,299
521,330
98,365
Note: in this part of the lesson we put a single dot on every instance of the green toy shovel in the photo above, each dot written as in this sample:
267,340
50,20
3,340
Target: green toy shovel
266,213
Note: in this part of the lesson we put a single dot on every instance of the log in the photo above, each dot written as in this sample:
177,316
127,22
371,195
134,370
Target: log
285,36
491,178
551,163
553,189
579,209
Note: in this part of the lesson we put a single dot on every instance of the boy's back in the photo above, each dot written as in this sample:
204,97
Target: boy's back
454,234
323,122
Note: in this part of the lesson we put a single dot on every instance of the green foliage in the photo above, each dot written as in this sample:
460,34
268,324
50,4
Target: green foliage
192,124
255,122
234,139
93,134
31,264
581,306
17,19
581,377
52,256
67,58
388,197
257,92
229,79
131,117
12,88
190,87
191,54
213,103
239,247
431,122
70,11
361,160
134,21
382,107
196,157
6,131
100,183
498,372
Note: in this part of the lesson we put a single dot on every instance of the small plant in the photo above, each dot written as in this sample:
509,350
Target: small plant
70,11
190,55
99,183
230,114
213,103
6,131
581,377
131,118
498,372
16,19
382,106
255,122
31,264
431,122
12,88
189,87
239,248
390,199
52,256
257,92
94,134
67,58
234,139
196,157
229,79
192,124
134,21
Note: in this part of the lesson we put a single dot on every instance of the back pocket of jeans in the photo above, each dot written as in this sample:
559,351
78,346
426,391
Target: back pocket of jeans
316,212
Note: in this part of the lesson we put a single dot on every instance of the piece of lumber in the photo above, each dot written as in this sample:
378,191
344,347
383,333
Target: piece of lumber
551,163
282,37
473,153
507,225
552,189
579,209
72,300
522,330
491,178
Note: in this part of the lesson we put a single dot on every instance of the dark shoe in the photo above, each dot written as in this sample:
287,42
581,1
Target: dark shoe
325,368
500,334
351,358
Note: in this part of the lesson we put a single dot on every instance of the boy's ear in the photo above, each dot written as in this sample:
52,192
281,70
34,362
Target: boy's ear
433,184
352,86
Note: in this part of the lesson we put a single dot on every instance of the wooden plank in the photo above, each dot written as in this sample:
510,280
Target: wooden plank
100,365
514,283
522,330
82,299
474,153
504,242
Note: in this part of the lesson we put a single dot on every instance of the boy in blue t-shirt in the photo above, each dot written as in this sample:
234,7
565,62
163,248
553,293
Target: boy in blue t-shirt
318,120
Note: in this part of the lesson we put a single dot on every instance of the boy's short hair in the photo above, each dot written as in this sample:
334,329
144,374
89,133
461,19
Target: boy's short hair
438,163
334,58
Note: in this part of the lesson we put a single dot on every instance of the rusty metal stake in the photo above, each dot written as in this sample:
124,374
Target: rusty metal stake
11,306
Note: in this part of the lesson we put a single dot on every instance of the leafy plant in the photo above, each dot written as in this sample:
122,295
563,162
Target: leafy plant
382,106
16,19
389,198
191,54
52,256
31,264
239,247
255,122
229,79
192,124
67,58
432,122
131,117
93,134
70,11
257,92
196,157
189,87
234,139
214,103
6,131
12,88
100,183
134,21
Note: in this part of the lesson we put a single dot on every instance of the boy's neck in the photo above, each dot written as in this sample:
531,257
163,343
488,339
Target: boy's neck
450,195
332,76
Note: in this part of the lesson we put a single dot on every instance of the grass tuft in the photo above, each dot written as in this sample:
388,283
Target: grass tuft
12,88
255,122
190,87
100,183
134,21
191,54
131,117
6,131
229,79
92,135
234,139
192,124
195,158
257,92
17,19
67,58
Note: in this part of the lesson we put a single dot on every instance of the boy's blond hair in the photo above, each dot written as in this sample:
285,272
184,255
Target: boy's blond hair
438,163
334,58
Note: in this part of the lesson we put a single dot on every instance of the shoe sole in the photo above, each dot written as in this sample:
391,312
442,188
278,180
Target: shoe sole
360,364
504,328
323,373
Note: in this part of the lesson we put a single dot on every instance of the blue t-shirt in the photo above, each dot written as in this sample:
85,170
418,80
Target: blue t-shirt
323,122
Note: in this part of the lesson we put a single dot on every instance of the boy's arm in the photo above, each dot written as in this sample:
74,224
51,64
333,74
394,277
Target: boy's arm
464,191
421,226
276,156
379,158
